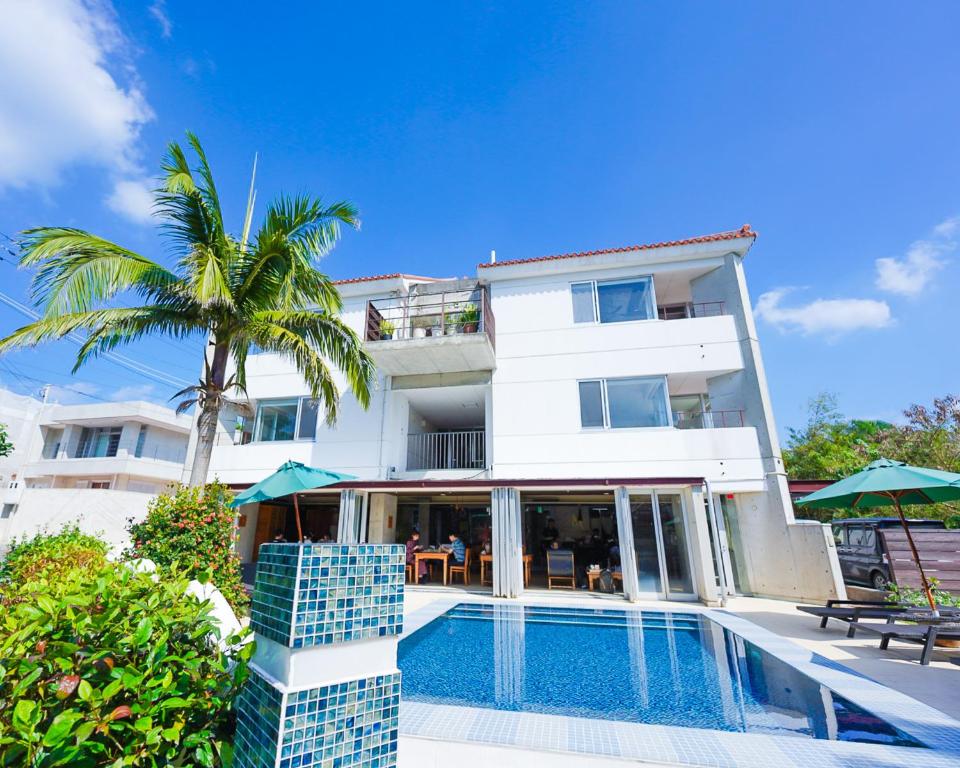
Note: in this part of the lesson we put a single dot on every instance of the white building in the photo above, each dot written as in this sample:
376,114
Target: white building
97,464
615,397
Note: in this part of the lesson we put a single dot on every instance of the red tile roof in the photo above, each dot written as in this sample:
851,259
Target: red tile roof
744,231
394,276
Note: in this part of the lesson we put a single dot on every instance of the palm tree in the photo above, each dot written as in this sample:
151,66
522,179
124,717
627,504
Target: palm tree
237,292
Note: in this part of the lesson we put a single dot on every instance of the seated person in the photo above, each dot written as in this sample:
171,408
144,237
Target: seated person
278,537
457,548
413,546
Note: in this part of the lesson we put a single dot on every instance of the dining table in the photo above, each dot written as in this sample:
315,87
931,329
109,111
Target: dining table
434,556
487,558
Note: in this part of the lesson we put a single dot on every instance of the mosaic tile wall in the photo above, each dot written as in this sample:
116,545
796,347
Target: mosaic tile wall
341,725
343,592
259,708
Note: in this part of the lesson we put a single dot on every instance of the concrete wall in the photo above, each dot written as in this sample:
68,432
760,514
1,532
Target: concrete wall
101,512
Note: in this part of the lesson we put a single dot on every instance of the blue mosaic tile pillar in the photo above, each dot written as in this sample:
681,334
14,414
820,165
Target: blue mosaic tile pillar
324,688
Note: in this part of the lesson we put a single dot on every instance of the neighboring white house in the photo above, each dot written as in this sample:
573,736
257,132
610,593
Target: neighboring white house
98,464
613,400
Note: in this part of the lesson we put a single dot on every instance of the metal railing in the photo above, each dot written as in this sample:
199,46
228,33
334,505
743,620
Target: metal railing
691,309
707,419
419,316
447,450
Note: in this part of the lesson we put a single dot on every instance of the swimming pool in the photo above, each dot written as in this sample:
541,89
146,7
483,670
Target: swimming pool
650,667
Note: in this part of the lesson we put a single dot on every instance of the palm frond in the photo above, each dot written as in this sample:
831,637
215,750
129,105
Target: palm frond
77,270
297,231
328,336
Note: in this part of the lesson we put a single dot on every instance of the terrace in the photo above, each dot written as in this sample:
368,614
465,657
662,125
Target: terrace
436,328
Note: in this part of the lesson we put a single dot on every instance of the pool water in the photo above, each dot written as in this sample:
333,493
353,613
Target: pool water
678,669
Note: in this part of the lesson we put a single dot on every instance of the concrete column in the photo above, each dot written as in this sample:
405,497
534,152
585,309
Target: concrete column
324,688
382,513
701,554
507,542
628,551
129,434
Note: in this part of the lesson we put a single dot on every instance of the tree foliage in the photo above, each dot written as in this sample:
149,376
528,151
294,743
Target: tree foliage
831,447
6,447
258,288
193,529
47,555
106,667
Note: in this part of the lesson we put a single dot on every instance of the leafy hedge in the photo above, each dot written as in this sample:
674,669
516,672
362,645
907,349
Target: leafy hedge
194,530
46,555
108,667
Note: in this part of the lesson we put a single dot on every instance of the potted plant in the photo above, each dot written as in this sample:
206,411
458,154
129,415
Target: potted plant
469,318
386,329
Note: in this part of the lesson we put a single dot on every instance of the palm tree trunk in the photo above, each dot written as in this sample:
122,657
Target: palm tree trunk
209,414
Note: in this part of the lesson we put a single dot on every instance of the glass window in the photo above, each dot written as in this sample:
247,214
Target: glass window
584,307
141,441
293,419
838,535
640,402
307,426
276,420
645,543
591,404
98,442
674,543
621,300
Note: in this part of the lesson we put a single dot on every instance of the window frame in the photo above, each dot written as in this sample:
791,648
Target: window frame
594,283
300,399
605,402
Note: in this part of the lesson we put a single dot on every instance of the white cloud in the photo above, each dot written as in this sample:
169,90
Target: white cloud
69,95
132,199
133,392
158,10
832,317
74,392
910,275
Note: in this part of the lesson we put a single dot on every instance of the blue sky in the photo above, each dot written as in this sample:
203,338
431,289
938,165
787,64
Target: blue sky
531,128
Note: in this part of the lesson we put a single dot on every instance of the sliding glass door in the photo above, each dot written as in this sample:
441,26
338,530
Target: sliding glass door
661,544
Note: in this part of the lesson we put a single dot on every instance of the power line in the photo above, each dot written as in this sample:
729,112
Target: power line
137,367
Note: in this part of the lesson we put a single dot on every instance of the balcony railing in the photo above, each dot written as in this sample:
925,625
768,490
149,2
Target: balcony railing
419,316
447,450
690,309
707,419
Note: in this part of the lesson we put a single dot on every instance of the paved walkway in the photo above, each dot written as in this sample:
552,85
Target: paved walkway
897,667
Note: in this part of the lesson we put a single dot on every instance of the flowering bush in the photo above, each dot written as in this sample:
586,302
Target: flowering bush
47,554
109,667
194,529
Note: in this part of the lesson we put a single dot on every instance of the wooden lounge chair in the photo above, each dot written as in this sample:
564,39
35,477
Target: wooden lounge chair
924,634
851,611
463,569
560,568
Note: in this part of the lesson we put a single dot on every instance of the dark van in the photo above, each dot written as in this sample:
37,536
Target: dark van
862,559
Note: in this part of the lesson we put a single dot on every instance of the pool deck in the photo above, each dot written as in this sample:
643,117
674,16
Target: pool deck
432,735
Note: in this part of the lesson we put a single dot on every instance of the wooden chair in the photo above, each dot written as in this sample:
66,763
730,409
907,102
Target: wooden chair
461,568
560,568
410,578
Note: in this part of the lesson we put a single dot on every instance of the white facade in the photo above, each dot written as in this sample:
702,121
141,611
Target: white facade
635,369
96,464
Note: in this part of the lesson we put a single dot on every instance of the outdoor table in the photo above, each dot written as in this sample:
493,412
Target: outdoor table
527,563
594,574
444,557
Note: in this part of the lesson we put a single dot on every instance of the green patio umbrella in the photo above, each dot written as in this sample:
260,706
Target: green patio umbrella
289,480
885,483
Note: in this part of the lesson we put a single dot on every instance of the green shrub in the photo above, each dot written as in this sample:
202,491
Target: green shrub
45,555
910,596
194,530
110,668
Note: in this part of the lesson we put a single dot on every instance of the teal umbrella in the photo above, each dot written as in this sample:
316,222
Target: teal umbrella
289,480
885,483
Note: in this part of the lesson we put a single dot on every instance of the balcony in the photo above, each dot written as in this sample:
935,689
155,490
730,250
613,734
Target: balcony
686,310
433,331
447,450
707,419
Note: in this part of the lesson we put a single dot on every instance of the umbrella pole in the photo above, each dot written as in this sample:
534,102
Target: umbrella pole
916,556
296,513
